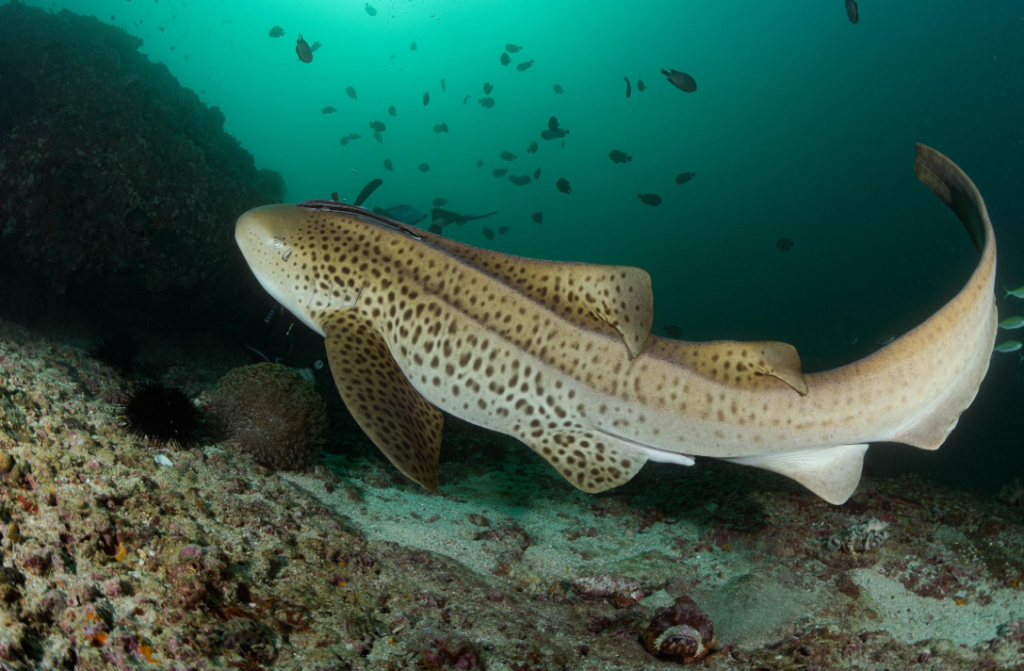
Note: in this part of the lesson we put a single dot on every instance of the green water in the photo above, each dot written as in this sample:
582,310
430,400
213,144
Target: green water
803,126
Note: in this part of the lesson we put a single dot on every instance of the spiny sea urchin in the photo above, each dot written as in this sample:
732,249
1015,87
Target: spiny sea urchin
163,413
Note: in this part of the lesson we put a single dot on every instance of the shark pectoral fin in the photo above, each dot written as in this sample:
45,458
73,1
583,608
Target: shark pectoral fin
592,461
739,364
403,424
830,472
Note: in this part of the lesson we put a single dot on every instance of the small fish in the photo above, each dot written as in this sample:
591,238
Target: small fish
378,125
532,149
444,217
523,67
503,230
651,199
303,50
316,45
784,244
640,86
1018,292
536,173
426,98
328,110
563,185
558,89
392,111
344,140
434,228
370,10
508,156
499,172
1012,323
554,130
412,47
388,165
1008,346
505,60
680,80
351,93
538,217
852,12
519,180
684,177
480,163
441,127
672,330
440,202
512,48
407,214
488,87
354,136
619,156
367,191
488,233
629,89
378,137
276,31
424,167
487,103
466,99
442,85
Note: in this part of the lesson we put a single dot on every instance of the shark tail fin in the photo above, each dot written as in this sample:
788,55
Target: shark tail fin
830,472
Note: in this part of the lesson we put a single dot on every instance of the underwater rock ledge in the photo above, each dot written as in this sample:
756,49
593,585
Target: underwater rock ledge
117,185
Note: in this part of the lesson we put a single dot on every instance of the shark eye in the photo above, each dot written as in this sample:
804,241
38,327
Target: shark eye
277,243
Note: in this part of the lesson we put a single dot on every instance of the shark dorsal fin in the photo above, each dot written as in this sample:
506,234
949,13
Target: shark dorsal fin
613,298
736,363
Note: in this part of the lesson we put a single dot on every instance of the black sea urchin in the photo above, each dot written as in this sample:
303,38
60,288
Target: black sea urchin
163,413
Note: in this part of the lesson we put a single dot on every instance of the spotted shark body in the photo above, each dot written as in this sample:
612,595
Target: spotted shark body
560,355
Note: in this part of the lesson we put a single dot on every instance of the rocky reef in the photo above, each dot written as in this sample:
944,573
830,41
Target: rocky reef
118,187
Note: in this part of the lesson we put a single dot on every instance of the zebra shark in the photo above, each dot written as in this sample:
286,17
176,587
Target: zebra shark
560,355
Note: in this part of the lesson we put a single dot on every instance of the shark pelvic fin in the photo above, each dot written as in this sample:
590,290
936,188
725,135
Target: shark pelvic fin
830,472
592,461
404,425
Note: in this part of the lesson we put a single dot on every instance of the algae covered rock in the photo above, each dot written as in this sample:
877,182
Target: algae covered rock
272,413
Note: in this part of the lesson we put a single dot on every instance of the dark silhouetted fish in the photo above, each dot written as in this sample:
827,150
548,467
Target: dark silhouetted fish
378,125
536,173
532,149
563,185
388,165
276,31
680,80
302,49
684,177
480,163
351,93
424,167
344,140
442,85
499,172
629,89
619,156
444,217
412,47
370,10
488,233
852,12
439,202
488,87
503,230
522,67
441,127
328,110
407,214
640,86
673,330
554,130
367,191
487,103
316,45
784,244
505,60
508,156
378,137
426,98
519,180
466,99
558,89
538,217
354,136
392,111
512,48
651,199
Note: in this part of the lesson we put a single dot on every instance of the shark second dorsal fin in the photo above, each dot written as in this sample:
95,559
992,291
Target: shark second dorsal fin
403,424
736,363
614,298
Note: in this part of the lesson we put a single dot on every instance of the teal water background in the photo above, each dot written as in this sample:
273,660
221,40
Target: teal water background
803,126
